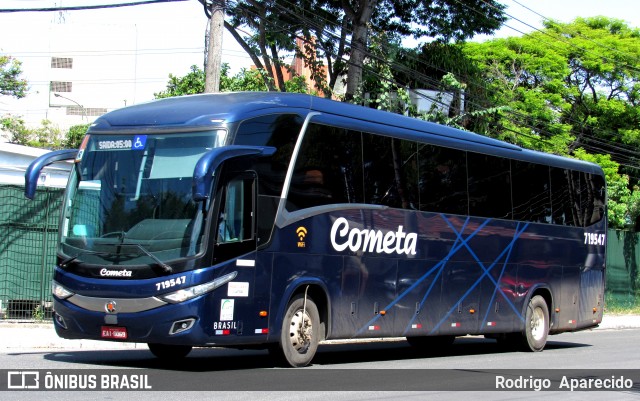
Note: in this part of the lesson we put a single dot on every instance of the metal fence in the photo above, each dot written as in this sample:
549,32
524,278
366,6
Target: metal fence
623,261
28,237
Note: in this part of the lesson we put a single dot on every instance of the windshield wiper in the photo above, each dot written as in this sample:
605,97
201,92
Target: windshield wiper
70,259
166,269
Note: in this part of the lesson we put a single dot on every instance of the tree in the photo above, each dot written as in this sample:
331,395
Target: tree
192,83
74,136
522,73
213,65
603,82
245,80
48,136
443,20
572,89
336,33
10,82
575,85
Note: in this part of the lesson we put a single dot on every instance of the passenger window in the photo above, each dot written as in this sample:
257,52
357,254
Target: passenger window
531,192
328,169
279,131
564,197
390,171
443,180
595,187
489,186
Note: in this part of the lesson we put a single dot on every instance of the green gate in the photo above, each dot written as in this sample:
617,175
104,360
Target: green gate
623,260
28,234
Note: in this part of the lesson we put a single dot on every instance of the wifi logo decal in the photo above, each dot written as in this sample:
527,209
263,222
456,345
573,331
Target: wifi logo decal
302,234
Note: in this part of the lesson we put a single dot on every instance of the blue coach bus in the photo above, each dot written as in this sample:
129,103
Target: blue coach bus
280,220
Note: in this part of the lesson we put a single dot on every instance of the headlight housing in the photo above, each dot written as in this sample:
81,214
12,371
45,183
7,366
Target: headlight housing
186,294
59,291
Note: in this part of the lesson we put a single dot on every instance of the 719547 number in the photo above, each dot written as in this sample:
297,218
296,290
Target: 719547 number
595,239
163,285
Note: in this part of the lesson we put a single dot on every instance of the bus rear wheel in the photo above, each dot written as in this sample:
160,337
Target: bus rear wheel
536,325
169,351
300,332
536,329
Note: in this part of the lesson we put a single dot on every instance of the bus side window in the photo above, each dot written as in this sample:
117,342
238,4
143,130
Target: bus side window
235,222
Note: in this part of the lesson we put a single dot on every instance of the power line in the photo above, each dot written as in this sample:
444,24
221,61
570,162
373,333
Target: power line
121,52
608,144
80,8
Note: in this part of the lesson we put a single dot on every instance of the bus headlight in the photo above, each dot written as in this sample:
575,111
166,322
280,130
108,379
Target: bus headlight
59,291
186,294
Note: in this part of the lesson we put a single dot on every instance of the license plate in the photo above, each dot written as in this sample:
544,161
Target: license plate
118,333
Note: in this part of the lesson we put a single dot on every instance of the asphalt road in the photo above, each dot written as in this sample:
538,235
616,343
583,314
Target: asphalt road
391,365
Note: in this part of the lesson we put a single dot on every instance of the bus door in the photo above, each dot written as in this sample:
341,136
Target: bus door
235,243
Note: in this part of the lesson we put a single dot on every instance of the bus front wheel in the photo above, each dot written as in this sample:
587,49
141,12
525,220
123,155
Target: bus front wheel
169,351
300,332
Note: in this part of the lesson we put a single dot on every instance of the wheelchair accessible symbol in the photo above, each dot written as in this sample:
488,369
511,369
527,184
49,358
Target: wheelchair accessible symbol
139,141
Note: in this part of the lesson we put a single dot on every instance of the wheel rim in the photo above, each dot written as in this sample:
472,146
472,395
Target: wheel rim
537,324
300,331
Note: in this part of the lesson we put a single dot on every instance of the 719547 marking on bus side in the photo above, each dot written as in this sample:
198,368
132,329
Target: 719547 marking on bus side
595,239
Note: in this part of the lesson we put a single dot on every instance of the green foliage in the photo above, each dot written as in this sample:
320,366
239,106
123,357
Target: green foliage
74,136
379,83
190,84
47,136
252,80
10,82
38,313
335,31
572,89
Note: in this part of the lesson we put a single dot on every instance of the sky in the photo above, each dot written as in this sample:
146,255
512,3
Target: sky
169,37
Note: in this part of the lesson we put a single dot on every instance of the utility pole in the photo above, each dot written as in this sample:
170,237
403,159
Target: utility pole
214,49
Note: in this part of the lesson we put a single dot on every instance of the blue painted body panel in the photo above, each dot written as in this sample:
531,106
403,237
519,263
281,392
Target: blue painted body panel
467,274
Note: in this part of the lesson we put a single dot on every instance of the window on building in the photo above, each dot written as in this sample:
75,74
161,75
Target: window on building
60,86
61,62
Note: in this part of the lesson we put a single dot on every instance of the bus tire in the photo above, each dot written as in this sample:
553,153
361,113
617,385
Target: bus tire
169,351
300,332
536,325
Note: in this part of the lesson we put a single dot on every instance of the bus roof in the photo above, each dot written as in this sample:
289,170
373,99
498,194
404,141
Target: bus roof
210,110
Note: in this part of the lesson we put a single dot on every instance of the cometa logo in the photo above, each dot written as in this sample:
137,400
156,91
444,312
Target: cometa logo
343,237
115,273
302,234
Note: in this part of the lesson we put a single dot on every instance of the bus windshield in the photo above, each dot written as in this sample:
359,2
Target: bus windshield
129,200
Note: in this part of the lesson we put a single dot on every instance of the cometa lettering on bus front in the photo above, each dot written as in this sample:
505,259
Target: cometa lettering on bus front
343,237
115,273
